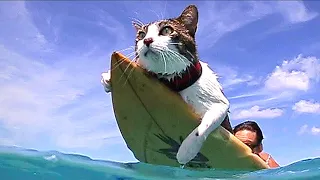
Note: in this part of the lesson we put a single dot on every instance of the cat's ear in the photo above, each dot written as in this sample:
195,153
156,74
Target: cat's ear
136,25
189,17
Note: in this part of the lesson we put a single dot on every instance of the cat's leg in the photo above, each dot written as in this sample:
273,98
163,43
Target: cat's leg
105,81
212,119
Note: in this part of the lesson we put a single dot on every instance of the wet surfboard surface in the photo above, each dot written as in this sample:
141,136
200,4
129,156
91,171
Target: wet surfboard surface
154,120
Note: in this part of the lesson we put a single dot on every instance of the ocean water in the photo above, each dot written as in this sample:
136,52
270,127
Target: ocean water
16,164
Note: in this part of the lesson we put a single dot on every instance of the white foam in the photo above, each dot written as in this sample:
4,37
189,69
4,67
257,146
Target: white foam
51,158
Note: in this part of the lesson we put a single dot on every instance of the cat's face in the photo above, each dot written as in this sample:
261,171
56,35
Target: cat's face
168,47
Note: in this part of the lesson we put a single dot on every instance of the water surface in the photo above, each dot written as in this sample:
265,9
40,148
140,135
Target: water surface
16,164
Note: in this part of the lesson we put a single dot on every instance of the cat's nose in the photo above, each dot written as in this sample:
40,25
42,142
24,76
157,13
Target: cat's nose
147,41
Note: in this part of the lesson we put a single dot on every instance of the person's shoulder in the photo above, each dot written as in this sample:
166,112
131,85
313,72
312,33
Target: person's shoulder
269,160
264,155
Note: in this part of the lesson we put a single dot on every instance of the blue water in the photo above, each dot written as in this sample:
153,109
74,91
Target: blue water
16,164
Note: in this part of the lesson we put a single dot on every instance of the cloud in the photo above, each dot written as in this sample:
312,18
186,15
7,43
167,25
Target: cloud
218,19
315,130
295,11
296,74
281,79
246,95
292,12
236,80
30,39
306,130
303,129
35,97
230,77
304,106
283,84
287,80
91,140
256,112
54,100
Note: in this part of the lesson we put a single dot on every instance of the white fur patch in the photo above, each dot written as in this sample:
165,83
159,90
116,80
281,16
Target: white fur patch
208,101
204,92
164,57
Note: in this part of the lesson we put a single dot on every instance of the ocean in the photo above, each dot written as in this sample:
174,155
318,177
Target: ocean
23,164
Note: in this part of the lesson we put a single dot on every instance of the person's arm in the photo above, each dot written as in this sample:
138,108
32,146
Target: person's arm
269,160
272,163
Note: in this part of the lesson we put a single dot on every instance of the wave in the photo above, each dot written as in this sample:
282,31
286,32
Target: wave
17,163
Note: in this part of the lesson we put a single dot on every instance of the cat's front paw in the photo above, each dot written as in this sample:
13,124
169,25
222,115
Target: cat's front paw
105,81
190,147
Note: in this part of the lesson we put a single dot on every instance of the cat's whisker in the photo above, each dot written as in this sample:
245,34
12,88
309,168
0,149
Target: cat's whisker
191,55
175,43
177,55
159,18
130,55
157,47
169,50
117,64
132,69
136,55
127,69
168,57
164,60
129,51
137,21
182,59
162,16
165,8
124,71
126,49
161,52
121,61
188,70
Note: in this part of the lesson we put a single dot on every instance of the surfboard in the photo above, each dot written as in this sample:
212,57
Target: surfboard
154,120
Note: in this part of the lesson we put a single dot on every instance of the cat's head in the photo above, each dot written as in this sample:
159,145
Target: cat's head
167,47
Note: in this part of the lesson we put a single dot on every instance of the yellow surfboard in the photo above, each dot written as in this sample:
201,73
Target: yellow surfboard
154,120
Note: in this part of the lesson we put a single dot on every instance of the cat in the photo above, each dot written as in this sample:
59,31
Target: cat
167,48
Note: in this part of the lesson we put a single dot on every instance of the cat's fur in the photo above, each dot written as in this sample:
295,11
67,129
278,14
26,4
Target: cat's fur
167,48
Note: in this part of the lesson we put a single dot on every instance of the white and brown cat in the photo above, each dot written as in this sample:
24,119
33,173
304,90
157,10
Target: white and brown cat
167,48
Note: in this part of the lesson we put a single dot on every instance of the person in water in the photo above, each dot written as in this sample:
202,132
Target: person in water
250,133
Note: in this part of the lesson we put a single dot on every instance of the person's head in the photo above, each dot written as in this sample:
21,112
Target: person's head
250,133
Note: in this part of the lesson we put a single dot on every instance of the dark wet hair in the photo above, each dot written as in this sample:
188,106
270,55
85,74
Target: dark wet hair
251,126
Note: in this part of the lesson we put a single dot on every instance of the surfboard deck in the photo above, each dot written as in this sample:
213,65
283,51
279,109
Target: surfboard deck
154,120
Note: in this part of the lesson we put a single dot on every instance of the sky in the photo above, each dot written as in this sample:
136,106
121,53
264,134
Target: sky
52,54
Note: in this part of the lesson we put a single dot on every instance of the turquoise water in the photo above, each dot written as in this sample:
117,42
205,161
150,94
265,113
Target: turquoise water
16,164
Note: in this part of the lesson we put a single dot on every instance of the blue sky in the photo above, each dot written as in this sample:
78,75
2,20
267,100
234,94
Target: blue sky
52,54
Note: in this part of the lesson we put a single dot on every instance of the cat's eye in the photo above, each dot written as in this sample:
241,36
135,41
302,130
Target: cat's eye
141,35
166,31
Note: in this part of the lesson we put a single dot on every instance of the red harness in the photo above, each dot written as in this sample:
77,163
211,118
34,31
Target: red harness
188,77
